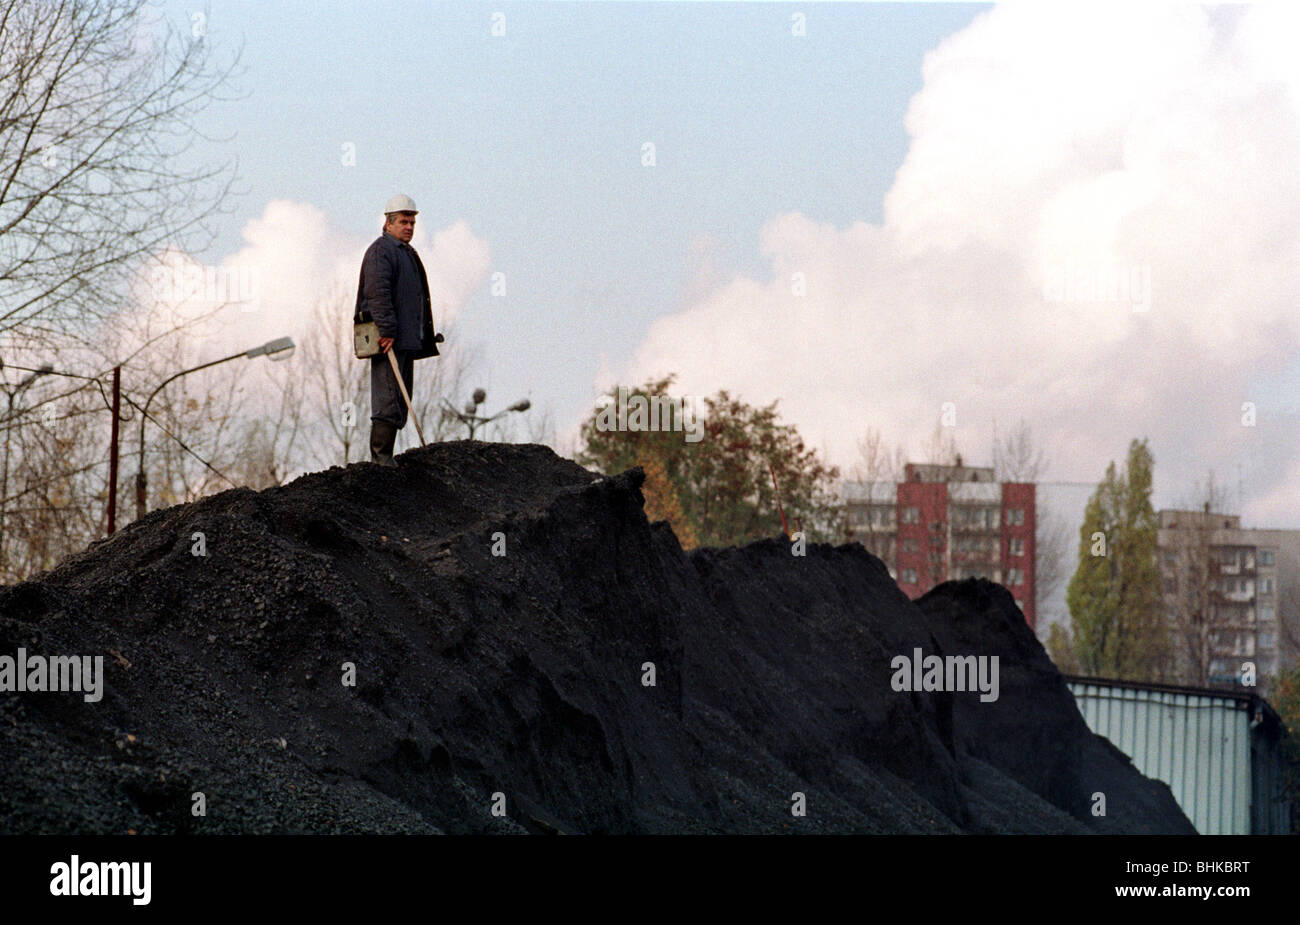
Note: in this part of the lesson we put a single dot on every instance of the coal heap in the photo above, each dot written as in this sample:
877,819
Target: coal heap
520,682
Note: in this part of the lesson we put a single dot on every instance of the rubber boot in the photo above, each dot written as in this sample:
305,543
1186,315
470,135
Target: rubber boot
383,436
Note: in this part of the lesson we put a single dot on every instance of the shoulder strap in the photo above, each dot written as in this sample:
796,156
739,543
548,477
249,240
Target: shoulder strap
359,316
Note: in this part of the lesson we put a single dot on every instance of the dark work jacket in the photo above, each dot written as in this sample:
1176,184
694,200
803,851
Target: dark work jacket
394,292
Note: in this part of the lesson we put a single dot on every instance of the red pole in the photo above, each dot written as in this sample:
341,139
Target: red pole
785,530
112,452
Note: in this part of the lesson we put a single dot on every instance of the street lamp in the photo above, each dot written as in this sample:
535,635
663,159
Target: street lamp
472,420
4,476
270,349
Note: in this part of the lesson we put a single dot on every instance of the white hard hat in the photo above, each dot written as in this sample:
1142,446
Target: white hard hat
400,203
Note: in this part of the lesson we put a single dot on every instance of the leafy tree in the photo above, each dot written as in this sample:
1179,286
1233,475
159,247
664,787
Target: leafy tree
1114,596
722,482
662,503
1061,649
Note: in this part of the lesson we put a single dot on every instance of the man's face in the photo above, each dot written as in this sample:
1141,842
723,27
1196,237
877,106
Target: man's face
401,225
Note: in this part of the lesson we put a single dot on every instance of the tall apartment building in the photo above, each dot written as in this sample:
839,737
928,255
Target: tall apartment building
948,522
1227,591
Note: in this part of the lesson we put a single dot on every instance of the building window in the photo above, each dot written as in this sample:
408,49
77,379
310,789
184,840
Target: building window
909,544
1266,557
1015,577
1171,586
1017,546
1267,640
910,515
1266,613
1015,515
1170,558
909,576
1266,586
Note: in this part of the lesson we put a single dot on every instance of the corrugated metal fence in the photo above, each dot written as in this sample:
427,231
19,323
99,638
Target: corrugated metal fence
1218,751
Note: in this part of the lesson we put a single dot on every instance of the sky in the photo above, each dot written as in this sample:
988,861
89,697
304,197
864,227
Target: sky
1083,217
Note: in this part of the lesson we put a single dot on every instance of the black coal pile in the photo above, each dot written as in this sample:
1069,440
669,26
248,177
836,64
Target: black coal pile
492,639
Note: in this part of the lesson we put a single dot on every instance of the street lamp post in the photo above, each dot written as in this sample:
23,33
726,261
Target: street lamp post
473,421
270,348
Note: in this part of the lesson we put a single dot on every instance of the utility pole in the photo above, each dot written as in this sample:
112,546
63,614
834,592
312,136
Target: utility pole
112,451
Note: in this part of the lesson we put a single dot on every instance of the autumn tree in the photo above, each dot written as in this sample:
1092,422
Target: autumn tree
724,480
662,503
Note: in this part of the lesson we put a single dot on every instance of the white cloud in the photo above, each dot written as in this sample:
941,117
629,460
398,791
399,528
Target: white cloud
1048,143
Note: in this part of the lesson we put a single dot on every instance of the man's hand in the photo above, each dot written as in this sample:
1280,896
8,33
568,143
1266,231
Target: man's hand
385,343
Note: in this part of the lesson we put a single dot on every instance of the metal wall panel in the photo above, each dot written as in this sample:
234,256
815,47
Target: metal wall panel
1197,743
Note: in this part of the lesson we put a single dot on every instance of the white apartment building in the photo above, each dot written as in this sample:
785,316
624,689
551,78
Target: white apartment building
1243,582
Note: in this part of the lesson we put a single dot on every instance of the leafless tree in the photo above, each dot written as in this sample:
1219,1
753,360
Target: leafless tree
875,462
57,437
941,448
95,124
54,480
541,426
876,467
449,381
1288,610
338,393
271,442
194,435
1190,572
537,425
1017,457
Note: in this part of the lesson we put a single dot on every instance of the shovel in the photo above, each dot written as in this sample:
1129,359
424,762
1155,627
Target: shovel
397,374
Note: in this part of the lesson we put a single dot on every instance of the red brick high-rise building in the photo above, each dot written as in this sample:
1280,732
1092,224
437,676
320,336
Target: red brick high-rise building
948,522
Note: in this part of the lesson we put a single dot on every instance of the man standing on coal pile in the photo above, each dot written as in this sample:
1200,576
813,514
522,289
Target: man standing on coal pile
394,290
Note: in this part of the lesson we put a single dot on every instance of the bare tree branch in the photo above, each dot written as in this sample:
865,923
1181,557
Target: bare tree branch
95,174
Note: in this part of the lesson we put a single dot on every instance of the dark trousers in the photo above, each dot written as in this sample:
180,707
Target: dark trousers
386,403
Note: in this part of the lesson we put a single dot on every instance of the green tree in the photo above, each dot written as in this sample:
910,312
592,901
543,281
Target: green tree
722,482
1061,649
1114,596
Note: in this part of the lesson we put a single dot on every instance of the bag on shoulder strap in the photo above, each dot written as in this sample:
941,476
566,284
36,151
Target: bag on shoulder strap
365,332
365,335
